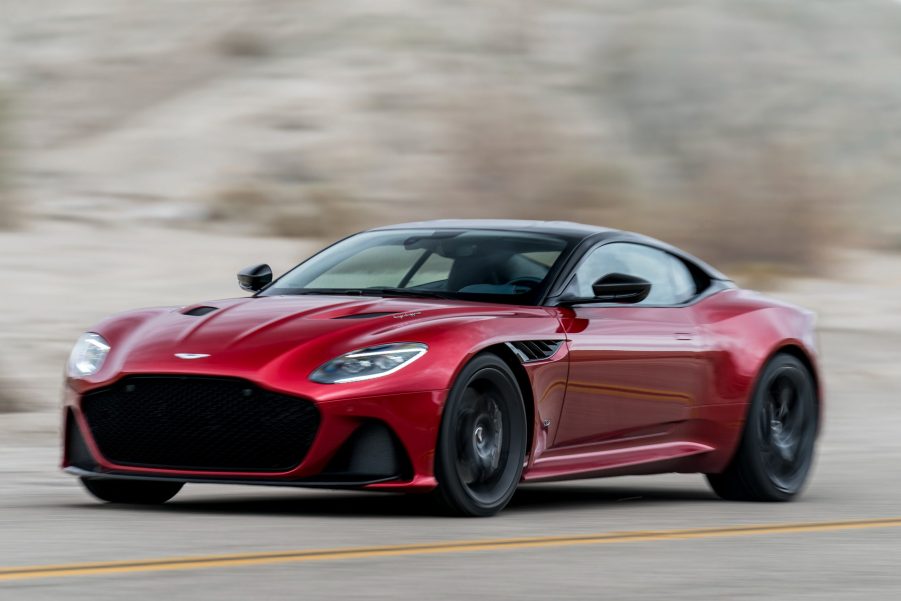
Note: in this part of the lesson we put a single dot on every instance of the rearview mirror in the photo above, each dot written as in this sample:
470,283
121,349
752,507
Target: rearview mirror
254,279
621,288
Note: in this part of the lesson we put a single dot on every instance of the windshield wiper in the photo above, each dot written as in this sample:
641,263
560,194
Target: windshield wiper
324,292
411,292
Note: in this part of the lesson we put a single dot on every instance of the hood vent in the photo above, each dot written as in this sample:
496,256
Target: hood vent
365,315
200,311
534,350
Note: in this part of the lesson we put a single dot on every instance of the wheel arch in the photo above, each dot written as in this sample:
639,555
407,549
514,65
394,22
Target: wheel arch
793,349
730,442
502,351
735,480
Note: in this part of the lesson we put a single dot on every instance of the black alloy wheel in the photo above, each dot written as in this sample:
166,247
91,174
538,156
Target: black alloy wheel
776,453
482,441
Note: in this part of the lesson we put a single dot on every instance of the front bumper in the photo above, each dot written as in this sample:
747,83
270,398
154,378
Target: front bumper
374,442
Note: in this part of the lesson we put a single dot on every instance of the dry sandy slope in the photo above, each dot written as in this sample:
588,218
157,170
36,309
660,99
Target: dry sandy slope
174,101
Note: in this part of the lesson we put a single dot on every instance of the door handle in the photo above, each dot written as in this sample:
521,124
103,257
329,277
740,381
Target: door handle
684,336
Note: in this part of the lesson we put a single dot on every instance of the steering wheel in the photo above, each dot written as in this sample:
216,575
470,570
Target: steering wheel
524,281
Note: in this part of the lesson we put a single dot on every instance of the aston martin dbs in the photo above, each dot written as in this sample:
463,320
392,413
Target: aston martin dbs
455,358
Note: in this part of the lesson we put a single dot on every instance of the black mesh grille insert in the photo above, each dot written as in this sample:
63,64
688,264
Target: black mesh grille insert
199,423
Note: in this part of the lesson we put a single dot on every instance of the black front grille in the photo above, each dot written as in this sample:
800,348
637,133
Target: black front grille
199,423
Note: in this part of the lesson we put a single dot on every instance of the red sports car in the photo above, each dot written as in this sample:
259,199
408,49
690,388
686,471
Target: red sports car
458,358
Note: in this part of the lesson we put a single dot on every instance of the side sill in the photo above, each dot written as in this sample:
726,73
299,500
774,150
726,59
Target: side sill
598,463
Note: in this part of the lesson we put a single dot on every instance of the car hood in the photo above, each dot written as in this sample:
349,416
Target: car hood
249,336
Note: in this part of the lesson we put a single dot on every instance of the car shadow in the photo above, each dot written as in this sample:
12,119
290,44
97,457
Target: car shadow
570,496
529,498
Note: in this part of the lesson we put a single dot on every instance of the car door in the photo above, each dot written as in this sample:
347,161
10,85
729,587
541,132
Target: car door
635,369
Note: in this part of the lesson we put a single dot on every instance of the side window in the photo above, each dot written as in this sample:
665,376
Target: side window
671,280
684,285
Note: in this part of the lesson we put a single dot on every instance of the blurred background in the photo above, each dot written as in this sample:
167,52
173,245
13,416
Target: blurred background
148,150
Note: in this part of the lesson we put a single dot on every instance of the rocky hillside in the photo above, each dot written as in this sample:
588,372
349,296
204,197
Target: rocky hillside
316,115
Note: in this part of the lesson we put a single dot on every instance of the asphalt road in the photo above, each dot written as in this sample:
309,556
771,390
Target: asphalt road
643,538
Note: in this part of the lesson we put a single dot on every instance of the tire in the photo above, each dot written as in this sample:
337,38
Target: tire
482,440
134,492
776,452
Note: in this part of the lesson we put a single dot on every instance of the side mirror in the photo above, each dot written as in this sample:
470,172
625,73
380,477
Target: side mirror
254,279
621,288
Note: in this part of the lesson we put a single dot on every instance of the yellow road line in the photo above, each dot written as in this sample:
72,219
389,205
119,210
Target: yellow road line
267,558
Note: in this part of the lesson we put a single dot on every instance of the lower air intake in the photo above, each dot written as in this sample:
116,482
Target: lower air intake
199,423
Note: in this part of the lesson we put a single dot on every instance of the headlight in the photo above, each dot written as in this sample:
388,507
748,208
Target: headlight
368,363
88,355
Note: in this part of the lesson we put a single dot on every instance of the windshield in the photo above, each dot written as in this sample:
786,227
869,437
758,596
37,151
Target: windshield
482,265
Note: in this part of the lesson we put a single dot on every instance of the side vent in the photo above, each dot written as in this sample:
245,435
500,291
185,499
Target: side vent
200,311
364,315
534,350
